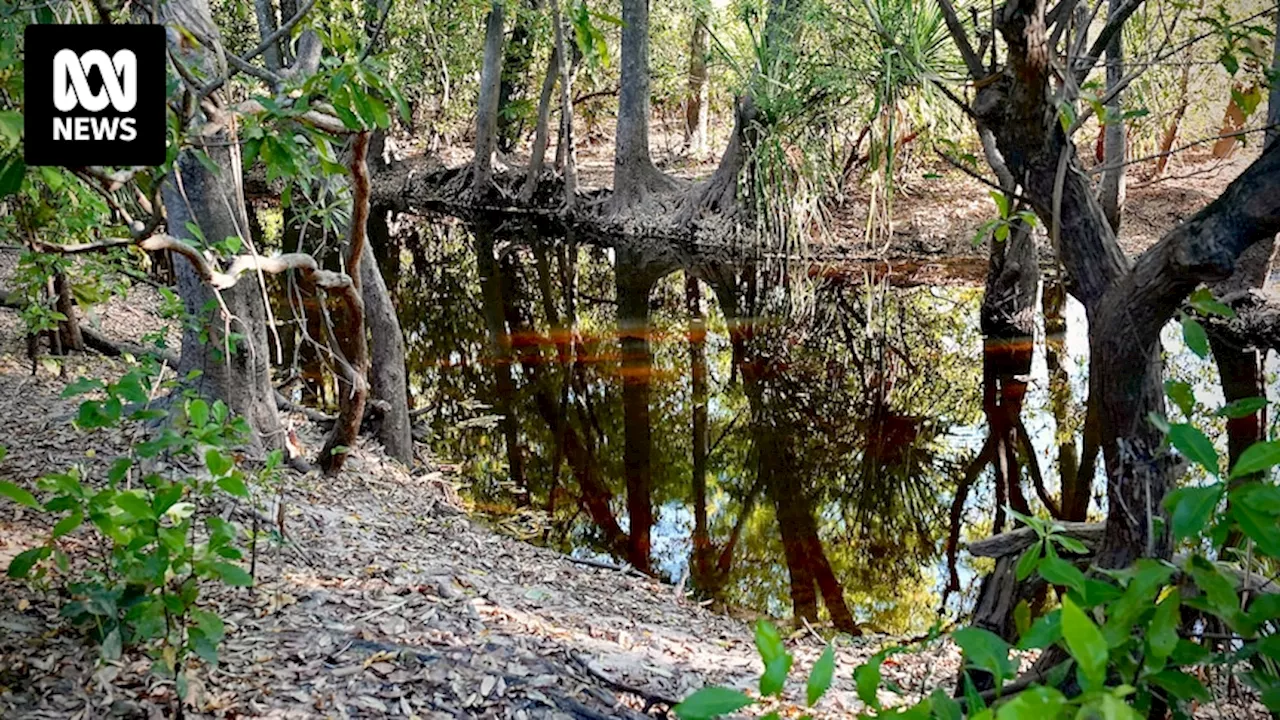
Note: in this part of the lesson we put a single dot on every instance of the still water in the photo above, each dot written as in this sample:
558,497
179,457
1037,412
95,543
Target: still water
789,440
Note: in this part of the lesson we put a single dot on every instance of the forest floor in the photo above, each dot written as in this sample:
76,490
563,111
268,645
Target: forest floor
389,599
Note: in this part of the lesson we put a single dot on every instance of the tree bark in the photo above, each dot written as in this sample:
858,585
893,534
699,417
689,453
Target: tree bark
564,146
487,103
634,174
1111,190
388,380
266,14
212,200
538,155
69,329
696,107
350,341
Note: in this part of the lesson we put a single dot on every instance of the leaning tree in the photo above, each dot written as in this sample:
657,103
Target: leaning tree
1024,100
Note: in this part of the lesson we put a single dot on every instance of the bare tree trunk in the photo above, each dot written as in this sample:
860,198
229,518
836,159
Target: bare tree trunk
633,289
564,147
634,174
205,191
69,329
1175,122
696,107
487,103
538,155
388,381
266,13
1111,190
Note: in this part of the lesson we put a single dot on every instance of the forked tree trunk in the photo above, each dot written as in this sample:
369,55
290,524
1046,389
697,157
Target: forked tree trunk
487,103
696,107
564,147
538,155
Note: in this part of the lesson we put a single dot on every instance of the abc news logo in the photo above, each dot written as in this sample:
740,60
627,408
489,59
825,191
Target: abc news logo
95,94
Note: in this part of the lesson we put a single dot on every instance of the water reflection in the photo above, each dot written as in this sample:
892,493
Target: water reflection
812,443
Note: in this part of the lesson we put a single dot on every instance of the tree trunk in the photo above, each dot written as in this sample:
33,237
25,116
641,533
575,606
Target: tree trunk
349,340
388,380
517,56
633,289
266,13
241,378
1111,188
538,155
487,103
634,174
69,329
696,107
204,191
564,146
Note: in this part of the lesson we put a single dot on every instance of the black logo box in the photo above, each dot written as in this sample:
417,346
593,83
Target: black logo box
42,43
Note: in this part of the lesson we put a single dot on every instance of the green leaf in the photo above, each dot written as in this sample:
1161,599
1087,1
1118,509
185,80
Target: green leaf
1162,633
1060,572
198,412
768,641
1180,686
1027,562
1257,457
986,651
112,645
1085,643
1204,301
1191,507
12,170
233,484
820,676
218,462
775,675
1070,544
1242,408
1022,617
711,702
1195,447
233,574
1194,336
21,564
1182,395
866,678
18,495
1036,702
1218,590
82,386
1044,632
68,523
1260,526
135,504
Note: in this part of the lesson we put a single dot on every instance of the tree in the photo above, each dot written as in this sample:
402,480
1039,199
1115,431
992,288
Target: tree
488,102
697,105
1127,301
634,174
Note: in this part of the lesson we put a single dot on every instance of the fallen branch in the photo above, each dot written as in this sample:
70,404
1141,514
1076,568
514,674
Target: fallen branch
1015,541
650,698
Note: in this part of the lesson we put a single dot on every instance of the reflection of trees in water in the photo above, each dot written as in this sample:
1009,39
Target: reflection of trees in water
820,450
